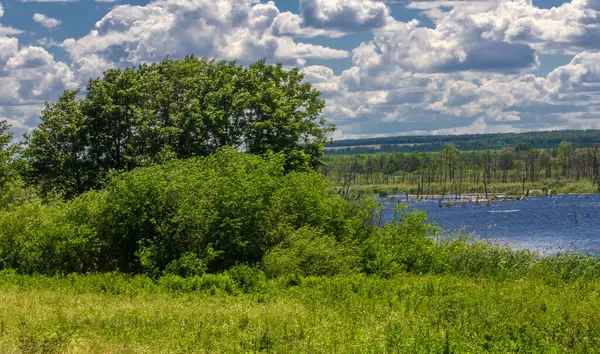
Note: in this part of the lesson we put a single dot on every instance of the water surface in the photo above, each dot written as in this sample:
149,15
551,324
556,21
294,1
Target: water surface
545,224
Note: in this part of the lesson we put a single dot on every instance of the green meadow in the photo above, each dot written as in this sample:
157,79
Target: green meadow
112,313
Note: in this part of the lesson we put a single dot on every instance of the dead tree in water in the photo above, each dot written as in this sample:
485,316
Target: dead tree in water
486,171
596,168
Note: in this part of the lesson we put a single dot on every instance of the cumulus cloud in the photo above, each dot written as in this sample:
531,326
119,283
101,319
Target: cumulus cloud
46,21
570,27
344,15
230,29
568,97
471,68
37,75
8,48
28,77
29,58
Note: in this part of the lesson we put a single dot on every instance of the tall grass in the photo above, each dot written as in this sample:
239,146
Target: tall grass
344,314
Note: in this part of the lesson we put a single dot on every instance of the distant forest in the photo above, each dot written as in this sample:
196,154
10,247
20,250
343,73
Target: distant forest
436,143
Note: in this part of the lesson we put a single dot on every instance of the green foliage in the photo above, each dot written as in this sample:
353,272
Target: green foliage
52,238
566,156
247,278
467,172
213,208
523,146
175,109
567,267
56,150
306,200
10,168
308,252
183,217
7,152
404,245
213,284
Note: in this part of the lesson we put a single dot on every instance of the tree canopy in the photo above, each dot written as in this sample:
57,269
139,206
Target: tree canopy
175,109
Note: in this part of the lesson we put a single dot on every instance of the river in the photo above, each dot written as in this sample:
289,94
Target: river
544,224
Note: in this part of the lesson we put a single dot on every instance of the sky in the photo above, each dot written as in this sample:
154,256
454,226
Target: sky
385,68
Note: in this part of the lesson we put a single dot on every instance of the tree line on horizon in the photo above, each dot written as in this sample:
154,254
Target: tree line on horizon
464,142
453,167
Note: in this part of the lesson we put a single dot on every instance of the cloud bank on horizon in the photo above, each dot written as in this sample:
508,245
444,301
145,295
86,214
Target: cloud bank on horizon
384,67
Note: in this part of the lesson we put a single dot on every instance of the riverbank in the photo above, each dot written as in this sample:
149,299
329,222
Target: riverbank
344,314
511,190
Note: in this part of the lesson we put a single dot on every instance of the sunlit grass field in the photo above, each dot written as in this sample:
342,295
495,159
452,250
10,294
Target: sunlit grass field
113,313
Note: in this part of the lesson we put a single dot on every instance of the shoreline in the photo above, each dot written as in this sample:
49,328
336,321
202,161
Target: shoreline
479,196
505,190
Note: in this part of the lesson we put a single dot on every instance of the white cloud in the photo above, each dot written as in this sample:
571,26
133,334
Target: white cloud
230,29
22,118
33,73
8,48
344,15
471,69
7,31
29,58
568,97
46,21
289,24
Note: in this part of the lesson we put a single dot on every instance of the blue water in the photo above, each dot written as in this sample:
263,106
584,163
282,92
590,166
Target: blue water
544,224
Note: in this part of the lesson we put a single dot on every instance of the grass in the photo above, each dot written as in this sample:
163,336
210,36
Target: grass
349,314
515,189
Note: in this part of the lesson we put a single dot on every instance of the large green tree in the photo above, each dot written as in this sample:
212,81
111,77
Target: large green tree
175,109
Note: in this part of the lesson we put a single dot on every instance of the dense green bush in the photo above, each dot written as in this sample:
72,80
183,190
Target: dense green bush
183,218
405,244
310,252
37,238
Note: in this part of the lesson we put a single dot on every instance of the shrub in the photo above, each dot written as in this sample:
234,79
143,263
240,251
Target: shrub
306,200
36,238
310,252
184,218
404,245
247,278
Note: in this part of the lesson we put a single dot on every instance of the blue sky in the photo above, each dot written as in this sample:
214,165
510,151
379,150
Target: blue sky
385,67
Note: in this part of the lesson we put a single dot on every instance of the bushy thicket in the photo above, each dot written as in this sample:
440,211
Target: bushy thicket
242,214
185,217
